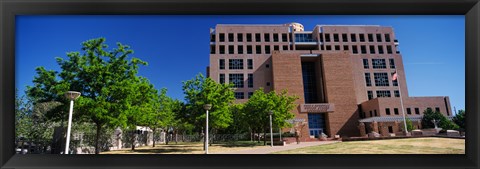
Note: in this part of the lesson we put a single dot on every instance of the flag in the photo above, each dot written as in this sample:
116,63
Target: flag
394,77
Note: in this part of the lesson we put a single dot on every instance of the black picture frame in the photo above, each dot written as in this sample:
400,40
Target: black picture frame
10,8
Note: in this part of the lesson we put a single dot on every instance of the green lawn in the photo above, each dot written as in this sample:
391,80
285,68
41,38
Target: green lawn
428,145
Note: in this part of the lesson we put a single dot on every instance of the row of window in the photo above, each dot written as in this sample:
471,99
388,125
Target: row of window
267,37
372,49
236,64
353,37
382,93
267,49
241,95
381,79
238,80
379,63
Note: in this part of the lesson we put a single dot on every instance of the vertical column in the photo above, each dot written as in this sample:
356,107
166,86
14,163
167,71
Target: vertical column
361,127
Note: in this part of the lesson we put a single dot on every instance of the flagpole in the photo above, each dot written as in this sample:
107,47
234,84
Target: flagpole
401,102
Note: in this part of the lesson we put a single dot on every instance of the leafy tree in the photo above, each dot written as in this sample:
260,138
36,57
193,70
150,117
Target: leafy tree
459,119
260,104
444,123
103,77
200,91
409,124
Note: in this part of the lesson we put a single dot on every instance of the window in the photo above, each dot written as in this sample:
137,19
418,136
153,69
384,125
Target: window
417,111
372,49
335,38
371,114
328,47
394,82
409,111
284,37
249,63
266,37
362,37
249,49
368,80
249,37
258,49
276,47
375,111
257,37
363,48
389,49
354,50
222,78
236,79
250,80
365,64
379,37
285,47
379,64
230,37
240,37
321,37
380,49
275,37
383,93
392,63
395,110
344,37
396,93
353,37
221,37
437,109
221,63
230,49
250,94
268,83
212,49
235,64
327,37
345,47
381,79
387,111
390,129
370,95
387,37
240,49
267,49
239,95
222,49
337,47
212,38
370,37
267,65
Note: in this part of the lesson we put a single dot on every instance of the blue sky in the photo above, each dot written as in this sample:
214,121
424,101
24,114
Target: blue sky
177,47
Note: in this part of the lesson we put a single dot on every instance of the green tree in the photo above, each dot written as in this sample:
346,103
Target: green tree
103,77
260,104
200,91
429,115
459,119
409,124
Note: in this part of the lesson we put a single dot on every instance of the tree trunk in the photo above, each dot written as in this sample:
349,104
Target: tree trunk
133,140
153,137
264,136
97,139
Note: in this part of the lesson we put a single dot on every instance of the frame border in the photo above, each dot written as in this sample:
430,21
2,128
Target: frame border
10,8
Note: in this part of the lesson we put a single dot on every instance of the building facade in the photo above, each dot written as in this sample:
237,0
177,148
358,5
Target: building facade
342,74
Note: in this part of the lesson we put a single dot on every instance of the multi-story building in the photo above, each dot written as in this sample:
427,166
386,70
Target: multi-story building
342,74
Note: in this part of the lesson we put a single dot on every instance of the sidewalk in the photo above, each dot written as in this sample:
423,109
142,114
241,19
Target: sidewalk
268,150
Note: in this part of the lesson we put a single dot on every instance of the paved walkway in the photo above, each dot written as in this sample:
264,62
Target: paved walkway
268,150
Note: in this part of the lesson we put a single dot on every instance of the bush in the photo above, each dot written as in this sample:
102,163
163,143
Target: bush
444,123
459,119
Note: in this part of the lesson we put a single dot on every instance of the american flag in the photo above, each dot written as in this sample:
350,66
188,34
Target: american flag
394,77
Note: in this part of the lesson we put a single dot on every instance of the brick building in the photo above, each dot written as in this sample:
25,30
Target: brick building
341,73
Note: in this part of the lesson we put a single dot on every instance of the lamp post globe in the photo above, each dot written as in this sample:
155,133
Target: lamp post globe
207,107
71,95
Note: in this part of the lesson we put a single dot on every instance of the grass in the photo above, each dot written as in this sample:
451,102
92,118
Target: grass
429,145
189,148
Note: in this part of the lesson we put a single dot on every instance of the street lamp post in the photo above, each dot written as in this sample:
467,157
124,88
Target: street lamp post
206,107
71,95
271,132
